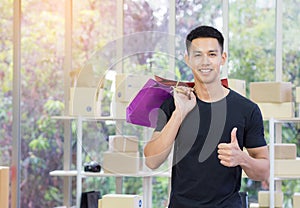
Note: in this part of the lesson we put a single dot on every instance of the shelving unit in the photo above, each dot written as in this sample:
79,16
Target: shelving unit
275,132
79,173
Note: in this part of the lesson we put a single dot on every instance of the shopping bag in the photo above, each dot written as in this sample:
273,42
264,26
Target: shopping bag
90,199
143,109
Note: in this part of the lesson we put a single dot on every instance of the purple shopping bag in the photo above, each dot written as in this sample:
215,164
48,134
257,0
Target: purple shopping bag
143,109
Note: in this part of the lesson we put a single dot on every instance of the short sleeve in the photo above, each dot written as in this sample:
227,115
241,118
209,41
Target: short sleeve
254,136
164,113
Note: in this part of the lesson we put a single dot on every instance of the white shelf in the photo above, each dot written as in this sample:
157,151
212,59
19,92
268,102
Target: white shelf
102,174
88,118
287,120
273,138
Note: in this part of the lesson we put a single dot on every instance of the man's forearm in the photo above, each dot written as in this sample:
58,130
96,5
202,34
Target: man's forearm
257,169
158,148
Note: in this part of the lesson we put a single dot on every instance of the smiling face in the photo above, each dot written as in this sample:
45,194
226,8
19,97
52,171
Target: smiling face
205,59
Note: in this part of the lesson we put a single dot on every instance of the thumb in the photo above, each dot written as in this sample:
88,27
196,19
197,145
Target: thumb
233,135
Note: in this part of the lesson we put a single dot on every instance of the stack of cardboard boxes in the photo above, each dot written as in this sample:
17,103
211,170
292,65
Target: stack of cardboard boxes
273,98
86,93
126,86
287,165
122,156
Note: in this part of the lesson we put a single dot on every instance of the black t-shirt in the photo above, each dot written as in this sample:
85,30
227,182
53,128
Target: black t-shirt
199,180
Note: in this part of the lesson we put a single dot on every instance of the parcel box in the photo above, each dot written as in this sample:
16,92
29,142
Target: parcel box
122,201
271,92
85,101
277,110
118,109
128,85
123,143
238,86
296,200
285,151
121,162
4,186
287,168
297,95
264,199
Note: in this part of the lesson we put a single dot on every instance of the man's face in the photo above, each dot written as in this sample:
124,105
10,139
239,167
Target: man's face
205,59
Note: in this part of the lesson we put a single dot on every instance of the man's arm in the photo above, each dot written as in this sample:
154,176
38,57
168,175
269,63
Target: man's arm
256,164
158,148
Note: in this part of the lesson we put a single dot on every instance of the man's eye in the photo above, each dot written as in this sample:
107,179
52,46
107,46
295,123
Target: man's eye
212,54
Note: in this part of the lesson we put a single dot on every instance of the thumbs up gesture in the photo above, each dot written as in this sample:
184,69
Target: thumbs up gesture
230,153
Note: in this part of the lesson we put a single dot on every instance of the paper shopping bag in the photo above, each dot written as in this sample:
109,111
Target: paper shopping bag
143,109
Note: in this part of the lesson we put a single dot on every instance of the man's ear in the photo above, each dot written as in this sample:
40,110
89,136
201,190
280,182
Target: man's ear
186,59
224,57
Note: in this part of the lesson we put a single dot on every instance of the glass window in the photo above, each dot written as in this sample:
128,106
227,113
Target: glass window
42,46
6,71
252,40
190,14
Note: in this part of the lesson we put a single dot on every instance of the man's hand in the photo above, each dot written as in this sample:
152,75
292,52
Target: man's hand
229,153
185,100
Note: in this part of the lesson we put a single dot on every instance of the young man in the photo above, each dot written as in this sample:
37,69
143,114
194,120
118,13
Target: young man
208,125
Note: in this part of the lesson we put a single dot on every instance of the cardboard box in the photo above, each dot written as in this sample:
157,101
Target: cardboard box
296,200
121,162
287,168
128,85
264,199
122,201
271,92
118,109
123,143
238,86
285,151
4,186
85,101
297,95
254,205
277,110
100,203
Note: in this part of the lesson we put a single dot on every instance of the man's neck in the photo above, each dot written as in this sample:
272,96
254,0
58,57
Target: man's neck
211,92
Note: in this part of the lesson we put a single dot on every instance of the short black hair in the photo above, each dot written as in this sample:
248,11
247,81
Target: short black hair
204,32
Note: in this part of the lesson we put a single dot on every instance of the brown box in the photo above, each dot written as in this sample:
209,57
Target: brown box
254,205
264,199
287,168
85,101
4,186
285,151
128,85
122,201
296,200
123,143
297,95
277,110
121,162
238,86
118,109
271,92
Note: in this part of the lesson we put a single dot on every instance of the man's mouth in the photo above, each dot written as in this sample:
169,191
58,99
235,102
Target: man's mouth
205,70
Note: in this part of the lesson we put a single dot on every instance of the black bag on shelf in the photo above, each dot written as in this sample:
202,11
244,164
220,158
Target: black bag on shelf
244,198
90,199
